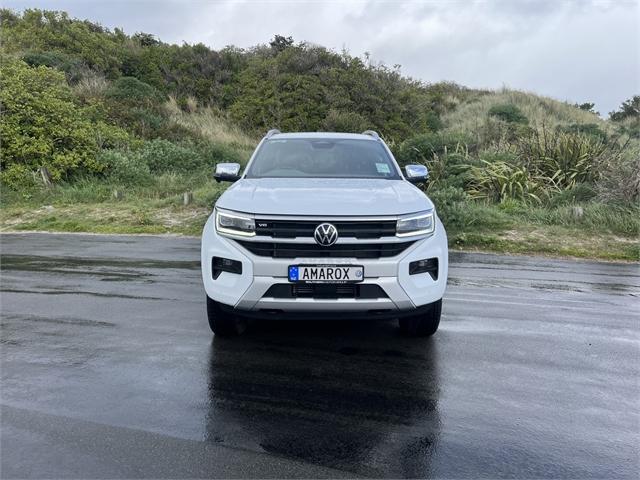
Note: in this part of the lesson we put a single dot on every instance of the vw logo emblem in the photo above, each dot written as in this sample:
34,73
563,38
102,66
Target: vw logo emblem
325,234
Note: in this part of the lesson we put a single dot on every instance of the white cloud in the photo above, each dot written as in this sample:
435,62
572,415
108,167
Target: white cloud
571,50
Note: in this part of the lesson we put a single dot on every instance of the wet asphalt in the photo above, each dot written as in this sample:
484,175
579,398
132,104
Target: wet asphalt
109,370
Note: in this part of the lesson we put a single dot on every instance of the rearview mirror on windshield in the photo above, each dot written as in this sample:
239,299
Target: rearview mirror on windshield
416,173
227,172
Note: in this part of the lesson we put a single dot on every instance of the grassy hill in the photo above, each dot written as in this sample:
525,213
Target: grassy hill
104,132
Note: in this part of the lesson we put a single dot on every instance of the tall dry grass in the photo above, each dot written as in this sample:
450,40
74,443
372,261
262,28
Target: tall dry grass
91,86
539,110
210,124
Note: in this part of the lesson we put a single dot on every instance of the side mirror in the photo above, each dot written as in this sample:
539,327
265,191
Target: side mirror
227,172
416,173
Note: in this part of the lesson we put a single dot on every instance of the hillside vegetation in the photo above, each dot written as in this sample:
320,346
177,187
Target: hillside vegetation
104,131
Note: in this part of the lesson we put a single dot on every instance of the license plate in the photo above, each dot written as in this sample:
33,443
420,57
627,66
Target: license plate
326,273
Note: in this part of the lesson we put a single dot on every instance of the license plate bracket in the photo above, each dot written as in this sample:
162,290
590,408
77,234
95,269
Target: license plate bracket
322,273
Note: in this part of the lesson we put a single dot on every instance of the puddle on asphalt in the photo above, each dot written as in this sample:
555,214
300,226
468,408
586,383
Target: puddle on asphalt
81,292
31,263
58,320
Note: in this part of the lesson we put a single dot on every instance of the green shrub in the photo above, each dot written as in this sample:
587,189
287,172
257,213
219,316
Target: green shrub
164,156
112,137
501,181
565,158
579,193
454,171
41,125
450,204
125,168
138,106
46,59
459,212
19,178
590,129
508,113
422,148
434,122
504,156
218,153
349,122
43,31
166,163
146,120
73,68
131,91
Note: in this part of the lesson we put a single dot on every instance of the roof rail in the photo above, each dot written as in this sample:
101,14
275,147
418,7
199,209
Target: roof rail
371,133
273,131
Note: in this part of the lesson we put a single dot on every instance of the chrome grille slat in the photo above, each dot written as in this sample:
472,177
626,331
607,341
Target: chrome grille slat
307,250
305,228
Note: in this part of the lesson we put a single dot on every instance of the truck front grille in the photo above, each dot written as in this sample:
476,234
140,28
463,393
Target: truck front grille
305,228
307,250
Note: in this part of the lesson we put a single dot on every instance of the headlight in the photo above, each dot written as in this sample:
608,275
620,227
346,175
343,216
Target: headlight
416,224
235,224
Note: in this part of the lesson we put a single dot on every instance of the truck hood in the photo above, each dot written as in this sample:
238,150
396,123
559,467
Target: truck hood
324,197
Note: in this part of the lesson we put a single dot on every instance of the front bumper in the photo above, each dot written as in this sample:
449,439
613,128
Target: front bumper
248,291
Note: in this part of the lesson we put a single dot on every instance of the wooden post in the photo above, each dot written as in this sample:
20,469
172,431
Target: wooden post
187,198
577,212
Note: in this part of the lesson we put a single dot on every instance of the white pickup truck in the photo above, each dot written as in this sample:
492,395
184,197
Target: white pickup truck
324,225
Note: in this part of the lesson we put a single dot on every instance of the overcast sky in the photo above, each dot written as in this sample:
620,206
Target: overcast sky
582,50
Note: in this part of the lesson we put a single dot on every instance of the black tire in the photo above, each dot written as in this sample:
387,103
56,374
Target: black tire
224,324
424,324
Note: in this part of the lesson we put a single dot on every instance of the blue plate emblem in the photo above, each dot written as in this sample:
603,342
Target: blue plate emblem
293,273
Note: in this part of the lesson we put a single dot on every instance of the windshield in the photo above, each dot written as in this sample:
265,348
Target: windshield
322,158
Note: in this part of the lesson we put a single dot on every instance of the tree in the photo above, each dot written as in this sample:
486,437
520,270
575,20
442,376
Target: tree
629,109
587,107
280,43
145,39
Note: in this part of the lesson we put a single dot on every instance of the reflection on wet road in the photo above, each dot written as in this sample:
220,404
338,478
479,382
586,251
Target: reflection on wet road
109,370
